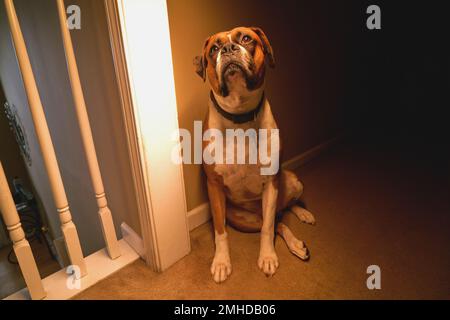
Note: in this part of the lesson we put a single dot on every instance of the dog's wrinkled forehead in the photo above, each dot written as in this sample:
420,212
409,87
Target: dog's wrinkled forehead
230,36
237,35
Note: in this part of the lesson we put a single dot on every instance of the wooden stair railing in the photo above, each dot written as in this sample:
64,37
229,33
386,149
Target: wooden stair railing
7,206
43,135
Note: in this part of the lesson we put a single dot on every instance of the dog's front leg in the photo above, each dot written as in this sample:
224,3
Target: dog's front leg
268,260
221,265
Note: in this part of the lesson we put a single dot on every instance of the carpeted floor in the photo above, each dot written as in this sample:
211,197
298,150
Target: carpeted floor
373,206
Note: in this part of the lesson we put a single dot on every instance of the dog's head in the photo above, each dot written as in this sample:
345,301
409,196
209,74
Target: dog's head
229,56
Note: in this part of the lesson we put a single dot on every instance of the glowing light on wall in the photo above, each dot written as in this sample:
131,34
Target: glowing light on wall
145,29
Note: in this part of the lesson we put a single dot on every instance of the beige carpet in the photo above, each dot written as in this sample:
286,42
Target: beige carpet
371,207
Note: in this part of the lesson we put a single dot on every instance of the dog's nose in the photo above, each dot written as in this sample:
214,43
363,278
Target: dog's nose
229,48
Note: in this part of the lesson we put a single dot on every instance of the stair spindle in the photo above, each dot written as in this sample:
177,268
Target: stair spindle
21,246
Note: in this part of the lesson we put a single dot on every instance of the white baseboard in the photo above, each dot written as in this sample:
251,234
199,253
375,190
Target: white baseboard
99,266
198,216
133,239
201,214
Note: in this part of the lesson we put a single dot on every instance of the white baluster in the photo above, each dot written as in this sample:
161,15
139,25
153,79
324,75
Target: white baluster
48,153
20,244
109,233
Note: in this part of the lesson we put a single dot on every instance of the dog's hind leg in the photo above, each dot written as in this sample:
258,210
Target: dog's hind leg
294,245
244,220
303,214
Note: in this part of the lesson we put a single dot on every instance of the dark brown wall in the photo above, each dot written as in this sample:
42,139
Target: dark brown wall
305,88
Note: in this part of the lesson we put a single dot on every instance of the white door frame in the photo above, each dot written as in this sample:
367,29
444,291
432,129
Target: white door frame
140,40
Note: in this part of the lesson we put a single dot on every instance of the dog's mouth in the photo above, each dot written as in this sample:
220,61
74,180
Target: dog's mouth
232,68
231,71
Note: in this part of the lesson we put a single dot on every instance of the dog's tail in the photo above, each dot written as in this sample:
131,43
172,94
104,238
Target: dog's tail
244,220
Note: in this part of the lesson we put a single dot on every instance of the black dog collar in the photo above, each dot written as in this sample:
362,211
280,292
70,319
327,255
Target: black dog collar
238,118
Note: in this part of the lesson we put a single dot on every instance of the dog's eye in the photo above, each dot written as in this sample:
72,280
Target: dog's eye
246,39
214,49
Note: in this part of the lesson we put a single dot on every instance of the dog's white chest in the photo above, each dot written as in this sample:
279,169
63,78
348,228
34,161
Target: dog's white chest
243,181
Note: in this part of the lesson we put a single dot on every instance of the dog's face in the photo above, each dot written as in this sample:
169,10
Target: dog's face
241,53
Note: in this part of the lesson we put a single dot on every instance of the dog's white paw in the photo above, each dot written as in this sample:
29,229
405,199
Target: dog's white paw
298,248
221,268
303,214
221,265
268,259
268,263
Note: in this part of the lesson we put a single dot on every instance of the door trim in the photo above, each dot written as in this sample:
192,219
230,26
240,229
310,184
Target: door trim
155,217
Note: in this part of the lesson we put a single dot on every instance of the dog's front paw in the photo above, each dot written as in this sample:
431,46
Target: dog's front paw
268,262
221,268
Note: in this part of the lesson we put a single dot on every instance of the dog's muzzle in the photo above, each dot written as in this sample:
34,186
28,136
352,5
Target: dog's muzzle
234,59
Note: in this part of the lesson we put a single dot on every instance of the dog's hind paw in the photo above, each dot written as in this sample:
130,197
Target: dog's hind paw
295,246
298,248
303,214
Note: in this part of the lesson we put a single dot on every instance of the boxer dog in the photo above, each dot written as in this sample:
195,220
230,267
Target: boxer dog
235,63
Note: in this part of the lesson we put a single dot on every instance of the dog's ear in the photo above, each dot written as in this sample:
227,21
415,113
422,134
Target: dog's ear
200,62
199,68
268,52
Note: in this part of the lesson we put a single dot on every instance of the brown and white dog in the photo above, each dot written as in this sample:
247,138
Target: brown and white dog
234,63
